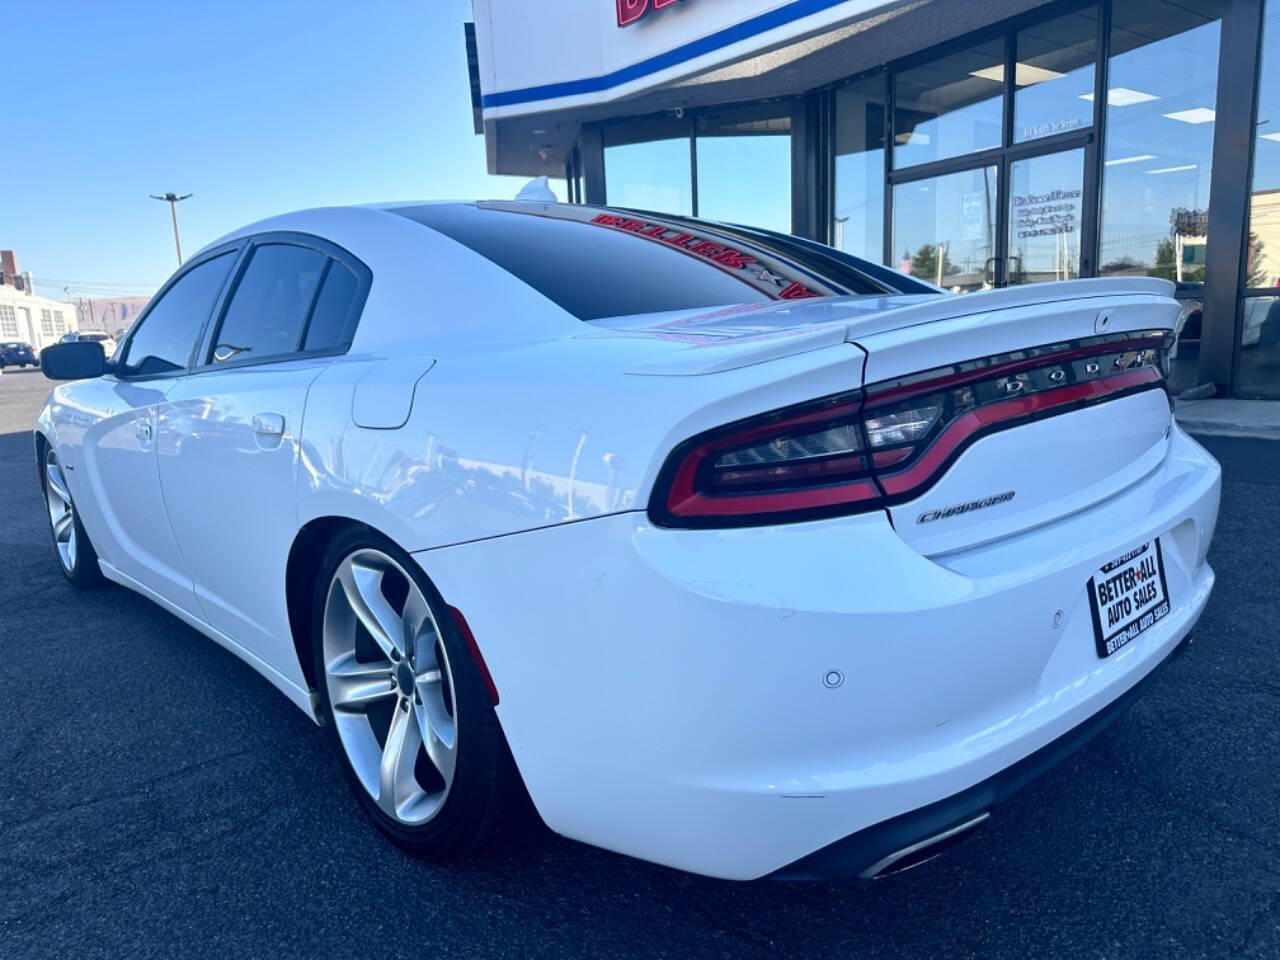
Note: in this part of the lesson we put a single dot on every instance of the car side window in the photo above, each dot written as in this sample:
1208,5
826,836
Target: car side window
333,309
274,297
167,335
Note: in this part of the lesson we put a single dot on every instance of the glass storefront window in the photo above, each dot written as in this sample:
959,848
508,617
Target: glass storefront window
651,175
1258,375
1045,206
944,228
950,106
1163,82
744,170
1054,74
858,222
1263,267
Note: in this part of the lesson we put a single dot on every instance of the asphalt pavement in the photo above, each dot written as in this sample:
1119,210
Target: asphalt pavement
158,798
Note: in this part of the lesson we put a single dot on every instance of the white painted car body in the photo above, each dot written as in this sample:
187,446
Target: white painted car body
665,692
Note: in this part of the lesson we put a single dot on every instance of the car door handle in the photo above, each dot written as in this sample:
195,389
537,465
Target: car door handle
268,424
144,431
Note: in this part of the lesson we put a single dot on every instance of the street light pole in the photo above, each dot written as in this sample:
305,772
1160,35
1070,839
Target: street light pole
173,199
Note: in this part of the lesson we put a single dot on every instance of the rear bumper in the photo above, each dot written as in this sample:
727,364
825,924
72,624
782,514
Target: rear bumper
663,691
860,853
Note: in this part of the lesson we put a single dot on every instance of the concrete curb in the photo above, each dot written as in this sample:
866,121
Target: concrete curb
1252,419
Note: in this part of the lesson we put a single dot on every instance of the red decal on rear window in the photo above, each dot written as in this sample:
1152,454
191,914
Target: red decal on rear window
796,291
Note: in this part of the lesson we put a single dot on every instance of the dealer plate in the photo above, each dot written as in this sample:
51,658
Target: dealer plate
1128,595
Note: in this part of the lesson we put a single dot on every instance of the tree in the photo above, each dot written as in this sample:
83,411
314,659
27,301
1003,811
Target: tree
925,263
1257,263
1166,262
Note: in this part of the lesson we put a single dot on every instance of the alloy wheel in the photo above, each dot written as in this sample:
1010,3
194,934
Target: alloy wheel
62,514
390,686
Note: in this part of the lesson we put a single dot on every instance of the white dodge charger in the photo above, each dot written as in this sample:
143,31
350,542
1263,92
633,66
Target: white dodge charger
732,552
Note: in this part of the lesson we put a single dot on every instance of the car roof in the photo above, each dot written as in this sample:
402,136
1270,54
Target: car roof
403,251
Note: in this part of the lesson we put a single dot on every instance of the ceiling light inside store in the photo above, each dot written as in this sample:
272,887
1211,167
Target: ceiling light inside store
1122,97
1134,159
1194,115
1271,136
1185,166
1024,74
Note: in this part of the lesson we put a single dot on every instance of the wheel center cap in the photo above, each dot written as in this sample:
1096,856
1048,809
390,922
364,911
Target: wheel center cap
404,678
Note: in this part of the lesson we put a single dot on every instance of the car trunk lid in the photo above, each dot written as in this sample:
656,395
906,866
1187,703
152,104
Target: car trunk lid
1048,400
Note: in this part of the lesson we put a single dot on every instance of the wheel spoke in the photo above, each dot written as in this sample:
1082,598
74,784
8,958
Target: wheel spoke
354,685
57,483
396,783
415,623
436,729
363,588
62,527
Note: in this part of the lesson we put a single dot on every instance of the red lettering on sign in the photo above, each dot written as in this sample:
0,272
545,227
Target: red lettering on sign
629,11
608,219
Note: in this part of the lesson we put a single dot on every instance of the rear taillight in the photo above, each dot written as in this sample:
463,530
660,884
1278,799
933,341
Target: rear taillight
891,441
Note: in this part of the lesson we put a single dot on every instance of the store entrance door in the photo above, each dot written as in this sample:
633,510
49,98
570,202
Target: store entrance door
1018,218
1044,211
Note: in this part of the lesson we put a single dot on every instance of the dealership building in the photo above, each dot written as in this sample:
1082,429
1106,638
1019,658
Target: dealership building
973,143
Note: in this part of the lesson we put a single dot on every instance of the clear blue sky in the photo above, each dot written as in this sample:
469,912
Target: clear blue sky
255,106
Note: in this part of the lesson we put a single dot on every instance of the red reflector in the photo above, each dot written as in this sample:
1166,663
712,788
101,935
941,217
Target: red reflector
465,629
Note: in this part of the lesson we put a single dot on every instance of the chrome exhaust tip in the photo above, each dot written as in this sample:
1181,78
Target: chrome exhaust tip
922,851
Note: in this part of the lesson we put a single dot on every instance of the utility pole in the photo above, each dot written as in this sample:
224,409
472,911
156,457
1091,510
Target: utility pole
83,306
173,199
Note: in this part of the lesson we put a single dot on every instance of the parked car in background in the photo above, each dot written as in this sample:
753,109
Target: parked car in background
108,342
737,553
15,353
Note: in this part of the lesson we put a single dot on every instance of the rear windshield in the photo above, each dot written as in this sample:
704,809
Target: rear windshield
597,263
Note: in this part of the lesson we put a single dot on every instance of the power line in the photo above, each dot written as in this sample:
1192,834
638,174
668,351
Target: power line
97,283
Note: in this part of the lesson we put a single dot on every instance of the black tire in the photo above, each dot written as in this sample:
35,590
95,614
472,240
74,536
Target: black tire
83,571
486,801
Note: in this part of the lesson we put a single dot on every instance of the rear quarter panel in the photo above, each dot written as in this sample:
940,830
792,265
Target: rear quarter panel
530,437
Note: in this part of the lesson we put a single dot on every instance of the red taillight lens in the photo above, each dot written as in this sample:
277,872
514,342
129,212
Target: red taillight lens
798,459
888,443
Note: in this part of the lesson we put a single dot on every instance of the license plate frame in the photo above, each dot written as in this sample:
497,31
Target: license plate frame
1130,594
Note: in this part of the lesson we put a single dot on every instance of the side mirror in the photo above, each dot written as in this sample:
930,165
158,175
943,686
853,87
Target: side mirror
77,360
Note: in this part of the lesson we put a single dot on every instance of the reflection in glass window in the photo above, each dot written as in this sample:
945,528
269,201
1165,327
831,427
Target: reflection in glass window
1258,375
744,171
270,303
944,228
1054,75
1263,267
165,338
653,175
858,223
332,309
1045,205
1159,145
949,106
